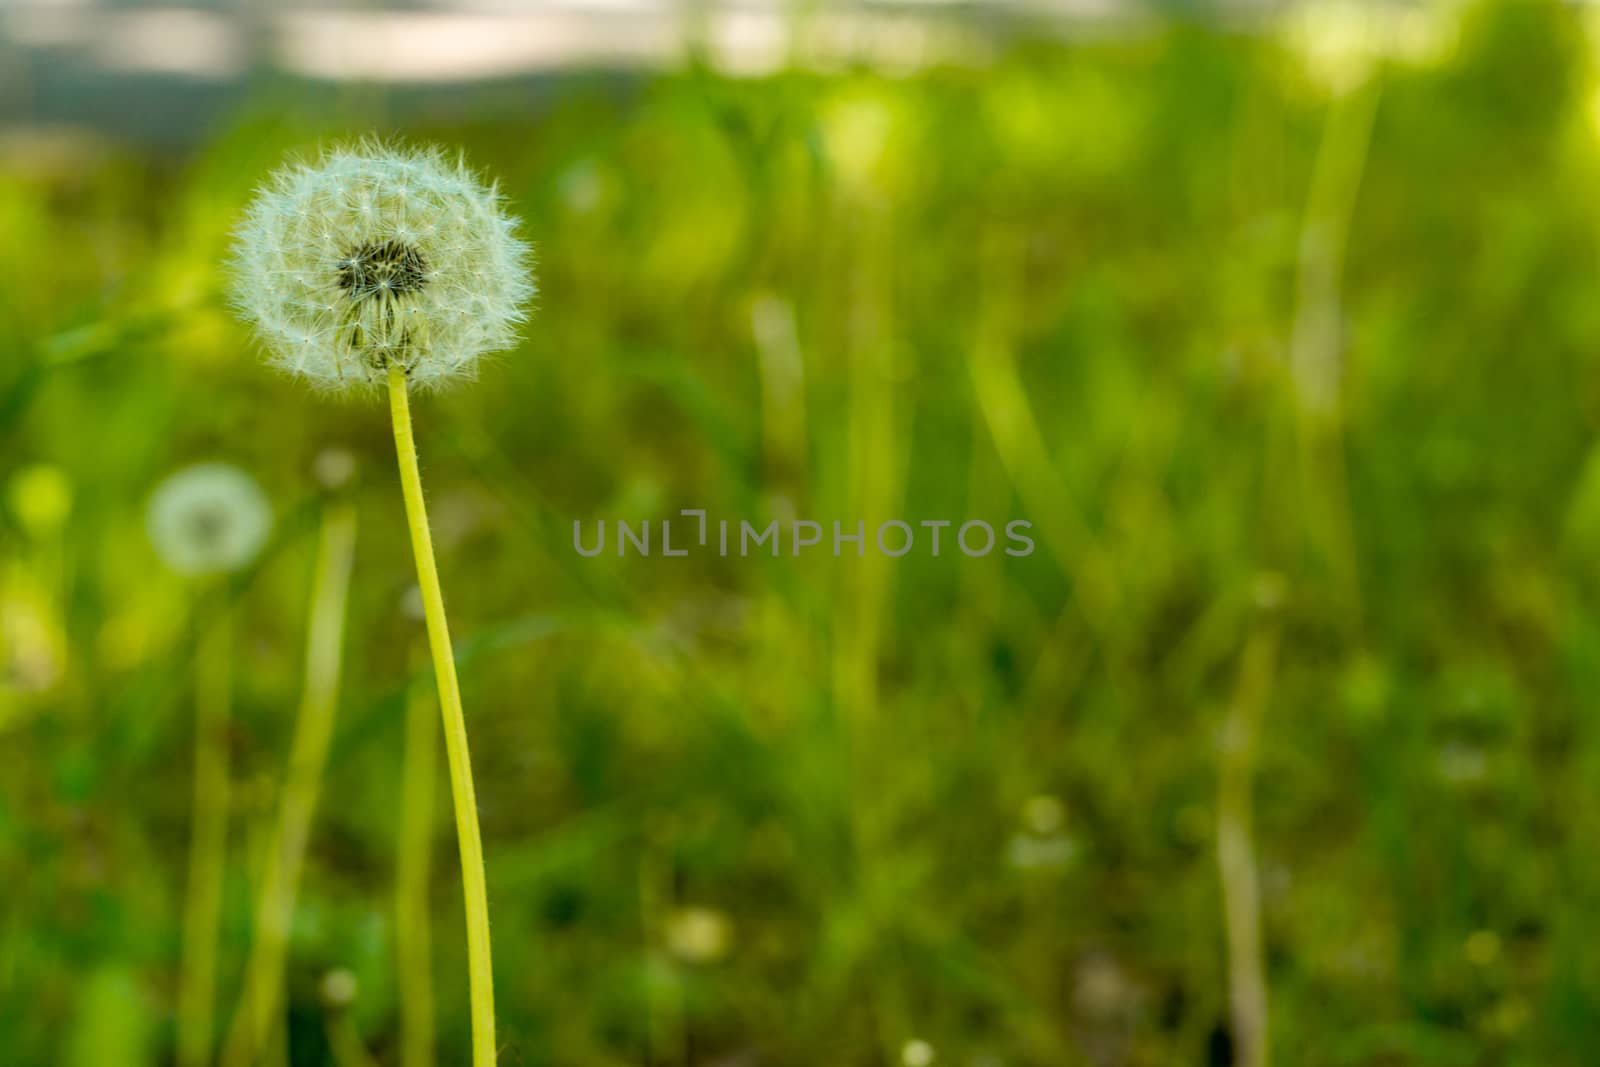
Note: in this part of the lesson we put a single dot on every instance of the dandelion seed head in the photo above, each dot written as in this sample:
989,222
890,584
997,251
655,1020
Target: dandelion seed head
699,935
208,519
339,988
378,255
334,468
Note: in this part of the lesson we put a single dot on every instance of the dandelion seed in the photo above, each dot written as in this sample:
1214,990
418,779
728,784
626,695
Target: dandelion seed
375,240
208,519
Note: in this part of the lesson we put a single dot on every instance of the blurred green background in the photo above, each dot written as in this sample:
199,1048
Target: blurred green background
1284,337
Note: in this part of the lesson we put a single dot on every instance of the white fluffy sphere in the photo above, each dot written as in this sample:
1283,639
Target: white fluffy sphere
208,519
378,255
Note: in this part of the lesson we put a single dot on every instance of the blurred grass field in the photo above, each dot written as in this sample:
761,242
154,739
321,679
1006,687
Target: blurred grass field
1268,341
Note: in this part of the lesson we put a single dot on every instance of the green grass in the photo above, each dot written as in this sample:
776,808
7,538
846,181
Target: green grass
1061,285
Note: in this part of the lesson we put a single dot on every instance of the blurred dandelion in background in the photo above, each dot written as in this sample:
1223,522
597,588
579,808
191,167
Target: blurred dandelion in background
699,935
208,519
338,988
334,468
1042,842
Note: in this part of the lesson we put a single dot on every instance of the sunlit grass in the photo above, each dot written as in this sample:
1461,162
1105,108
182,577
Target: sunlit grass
1199,310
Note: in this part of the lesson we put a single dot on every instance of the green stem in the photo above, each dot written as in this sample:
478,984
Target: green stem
208,843
1318,346
474,881
308,756
1236,849
413,947
344,1041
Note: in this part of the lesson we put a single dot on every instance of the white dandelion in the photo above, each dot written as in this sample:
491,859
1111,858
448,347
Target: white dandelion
376,256
208,519
382,265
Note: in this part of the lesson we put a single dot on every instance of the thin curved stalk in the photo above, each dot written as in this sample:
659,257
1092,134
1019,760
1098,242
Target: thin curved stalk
1236,849
474,882
208,843
344,1041
1317,345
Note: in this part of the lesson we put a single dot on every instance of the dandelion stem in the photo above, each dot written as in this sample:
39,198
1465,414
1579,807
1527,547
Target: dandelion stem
474,882
413,948
208,843
344,1041
1236,850
308,756
1317,342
